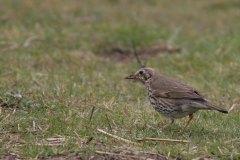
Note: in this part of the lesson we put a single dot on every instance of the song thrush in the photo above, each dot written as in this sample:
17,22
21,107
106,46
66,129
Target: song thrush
172,98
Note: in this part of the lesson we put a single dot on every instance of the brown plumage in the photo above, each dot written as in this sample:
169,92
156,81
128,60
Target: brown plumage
172,98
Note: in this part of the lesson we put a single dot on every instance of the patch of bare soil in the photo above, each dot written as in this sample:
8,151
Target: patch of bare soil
120,53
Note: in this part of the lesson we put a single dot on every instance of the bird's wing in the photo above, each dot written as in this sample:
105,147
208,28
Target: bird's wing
176,90
188,94
200,104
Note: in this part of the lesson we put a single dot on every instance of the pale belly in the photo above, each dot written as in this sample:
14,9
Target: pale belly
173,111
166,108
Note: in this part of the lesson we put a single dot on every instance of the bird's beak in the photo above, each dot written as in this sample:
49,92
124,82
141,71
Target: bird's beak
130,77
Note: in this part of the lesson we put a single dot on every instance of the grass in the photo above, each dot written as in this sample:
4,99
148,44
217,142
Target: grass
56,65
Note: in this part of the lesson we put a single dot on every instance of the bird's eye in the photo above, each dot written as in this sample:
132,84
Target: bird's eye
141,72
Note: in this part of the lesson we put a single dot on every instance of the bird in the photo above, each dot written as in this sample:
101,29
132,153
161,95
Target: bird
171,97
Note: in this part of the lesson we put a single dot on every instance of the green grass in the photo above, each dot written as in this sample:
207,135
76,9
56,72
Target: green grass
62,76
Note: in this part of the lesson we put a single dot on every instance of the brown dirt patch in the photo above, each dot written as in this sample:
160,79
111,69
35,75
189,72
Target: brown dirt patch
121,53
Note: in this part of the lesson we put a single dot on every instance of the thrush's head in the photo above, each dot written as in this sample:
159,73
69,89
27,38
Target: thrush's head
143,74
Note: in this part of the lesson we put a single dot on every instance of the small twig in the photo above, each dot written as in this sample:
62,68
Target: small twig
108,123
162,140
136,55
231,107
116,137
91,115
89,140
232,140
4,132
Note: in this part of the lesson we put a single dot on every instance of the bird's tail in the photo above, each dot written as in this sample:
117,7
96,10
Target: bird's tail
214,107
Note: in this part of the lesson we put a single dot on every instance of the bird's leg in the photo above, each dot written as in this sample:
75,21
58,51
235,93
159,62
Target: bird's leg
171,120
190,119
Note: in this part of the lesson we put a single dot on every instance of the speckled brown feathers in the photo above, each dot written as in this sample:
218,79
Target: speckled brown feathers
172,98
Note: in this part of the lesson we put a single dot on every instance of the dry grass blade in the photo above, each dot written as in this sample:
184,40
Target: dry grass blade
21,142
37,82
76,134
30,39
116,137
56,140
232,108
6,118
162,140
220,150
49,144
6,73
237,139
39,154
13,46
